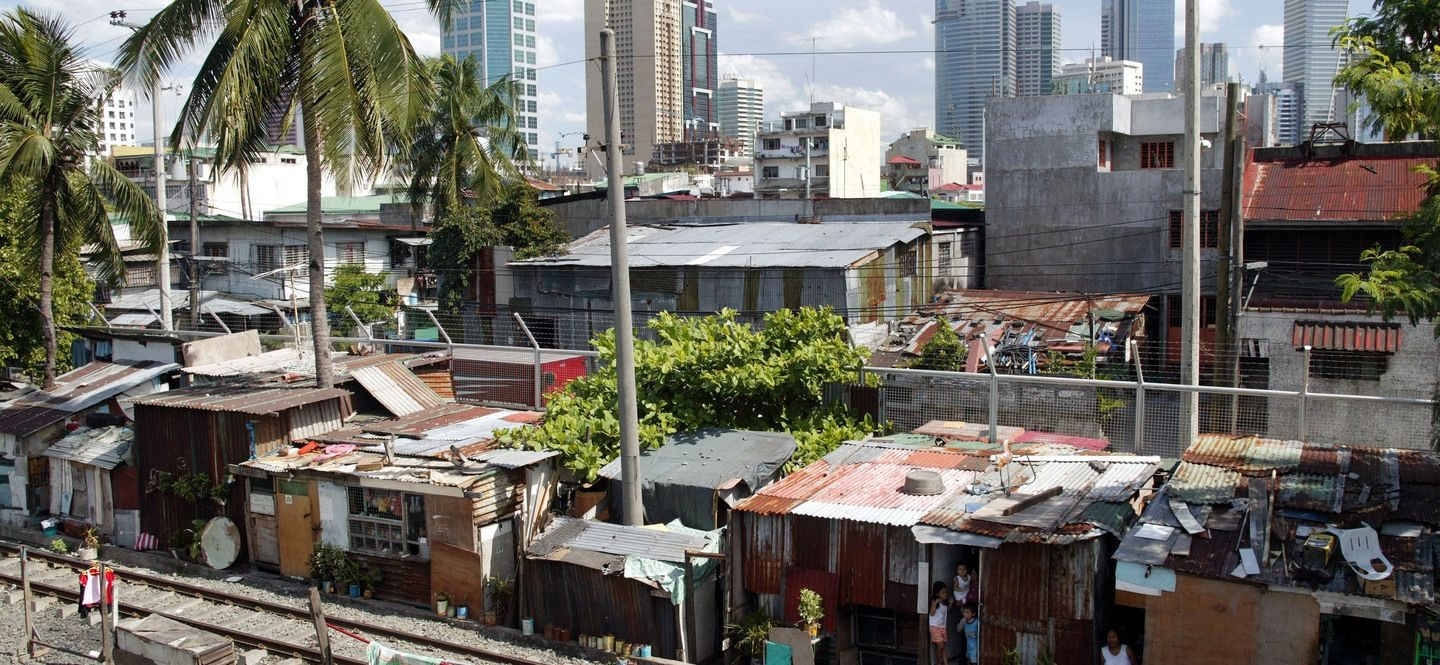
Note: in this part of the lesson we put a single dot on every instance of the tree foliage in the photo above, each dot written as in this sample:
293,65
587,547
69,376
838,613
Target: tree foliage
513,218
1395,66
48,126
710,372
363,292
22,340
945,352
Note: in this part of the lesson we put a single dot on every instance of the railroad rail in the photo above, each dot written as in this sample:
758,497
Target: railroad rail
183,603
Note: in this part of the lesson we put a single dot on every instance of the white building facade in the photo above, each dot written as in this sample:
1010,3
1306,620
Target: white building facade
831,150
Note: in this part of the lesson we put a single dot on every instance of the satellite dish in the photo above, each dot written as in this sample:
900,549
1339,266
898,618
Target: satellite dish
219,543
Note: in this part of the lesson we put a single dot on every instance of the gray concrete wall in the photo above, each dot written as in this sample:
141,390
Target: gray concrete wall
1414,371
1055,221
589,215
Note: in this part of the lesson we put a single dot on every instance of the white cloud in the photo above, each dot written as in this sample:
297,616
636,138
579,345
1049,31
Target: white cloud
853,27
570,110
1212,13
546,53
1270,35
559,11
1260,51
777,86
928,63
733,13
897,115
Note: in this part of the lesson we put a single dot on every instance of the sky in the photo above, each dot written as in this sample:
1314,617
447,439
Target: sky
769,41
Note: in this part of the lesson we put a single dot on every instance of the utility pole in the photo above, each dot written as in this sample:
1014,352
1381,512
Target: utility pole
162,263
1237,263
194,242
1190,284
633,512
1224,335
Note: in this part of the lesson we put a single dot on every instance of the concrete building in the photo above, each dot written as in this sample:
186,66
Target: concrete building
831,150
1214,66
922,161
1276,107
1037,48
1102,74
740,107
1143,31
975,60
117,120
1311,61
698,69
1085,192
272,180
650,71
500,35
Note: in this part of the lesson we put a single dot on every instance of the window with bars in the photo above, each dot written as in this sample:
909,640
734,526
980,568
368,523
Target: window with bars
907,263
275,257
1157,155
1359,365
216,250
1209,229
944,260
140,275
350,252
386,522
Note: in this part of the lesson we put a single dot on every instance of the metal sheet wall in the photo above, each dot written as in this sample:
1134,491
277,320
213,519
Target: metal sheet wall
904,555
1044,592
585,601
861,564
764,539
810,542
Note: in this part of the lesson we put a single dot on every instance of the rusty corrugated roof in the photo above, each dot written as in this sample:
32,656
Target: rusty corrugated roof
397,388
77,390
241,399
1365,189
1375,337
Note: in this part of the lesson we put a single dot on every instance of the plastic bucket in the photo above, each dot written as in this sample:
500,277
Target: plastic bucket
527,626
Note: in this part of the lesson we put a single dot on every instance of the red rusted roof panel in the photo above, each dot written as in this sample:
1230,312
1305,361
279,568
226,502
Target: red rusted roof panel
1339,190
1347,336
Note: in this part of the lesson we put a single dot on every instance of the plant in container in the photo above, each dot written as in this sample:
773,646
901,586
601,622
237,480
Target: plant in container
369,581
750,633
811,611
498,592
59,546
90,550
442,603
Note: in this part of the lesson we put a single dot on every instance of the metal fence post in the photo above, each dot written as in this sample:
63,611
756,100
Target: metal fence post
994,396
539,365
1303,396
1139,434
358,323
441,329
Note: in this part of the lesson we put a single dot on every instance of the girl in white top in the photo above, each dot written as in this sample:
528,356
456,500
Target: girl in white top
1115,653
939,622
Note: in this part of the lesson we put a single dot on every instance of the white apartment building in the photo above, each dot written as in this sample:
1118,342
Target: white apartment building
921,161
740,104
117,119
831,150
1102,74
274,180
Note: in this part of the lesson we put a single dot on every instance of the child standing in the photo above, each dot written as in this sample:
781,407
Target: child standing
939,622
970,628
965,588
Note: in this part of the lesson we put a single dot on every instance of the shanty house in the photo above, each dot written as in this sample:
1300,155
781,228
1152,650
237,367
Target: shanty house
872,525
698,476
93,481
657,585
30,423
865,270
1279,552
423,499
185,434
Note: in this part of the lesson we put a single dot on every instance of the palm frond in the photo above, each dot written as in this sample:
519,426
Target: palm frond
167,38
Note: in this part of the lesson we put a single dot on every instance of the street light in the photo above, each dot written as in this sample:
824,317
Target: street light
162,267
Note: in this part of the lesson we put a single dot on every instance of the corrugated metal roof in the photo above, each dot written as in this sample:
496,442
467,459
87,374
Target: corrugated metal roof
859,513
1096,479
215,301
104,447
513,459
241,399
78,390
644,542
269,361
397,388
1334,190
1370,336
1245,454
748,245
1201,483
450,431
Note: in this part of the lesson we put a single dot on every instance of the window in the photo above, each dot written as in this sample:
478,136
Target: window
529,41
519,56
770,144
216,250
1103,147
519,39
1157,155
770,172
274,257
820,121
1175,308
519,23
529,9
944,262
802,123
518,6
1359,365
907,263
289,160
967,245
822,170
875,628
529,25
386,522
350,252
1209,229
140,275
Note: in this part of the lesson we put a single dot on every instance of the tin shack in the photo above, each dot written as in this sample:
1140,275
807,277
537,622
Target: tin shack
185,441
1278,552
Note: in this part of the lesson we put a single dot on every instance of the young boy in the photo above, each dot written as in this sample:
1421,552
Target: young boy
970,628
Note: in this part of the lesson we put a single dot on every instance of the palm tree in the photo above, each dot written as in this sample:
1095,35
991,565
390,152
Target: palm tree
343,66
467,144
49,115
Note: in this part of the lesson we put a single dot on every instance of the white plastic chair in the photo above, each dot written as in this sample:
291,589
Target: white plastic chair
1361,548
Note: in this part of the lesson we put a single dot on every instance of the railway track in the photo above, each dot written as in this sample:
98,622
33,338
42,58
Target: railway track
280,629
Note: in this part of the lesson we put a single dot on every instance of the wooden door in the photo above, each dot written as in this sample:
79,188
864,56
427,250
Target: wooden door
294,517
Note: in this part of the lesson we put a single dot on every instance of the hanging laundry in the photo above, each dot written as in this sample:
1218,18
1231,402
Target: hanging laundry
96,589
379,654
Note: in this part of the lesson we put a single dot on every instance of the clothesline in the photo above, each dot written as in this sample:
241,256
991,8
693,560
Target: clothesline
378,653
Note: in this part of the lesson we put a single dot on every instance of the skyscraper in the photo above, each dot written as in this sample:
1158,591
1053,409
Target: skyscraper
500,35
1311,61
1143,31
650,75
1037,48
697,53
975,59
740,105
1214,65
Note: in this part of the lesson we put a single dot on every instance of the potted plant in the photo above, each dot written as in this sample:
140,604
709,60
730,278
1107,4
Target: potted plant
442,603
751,633
59,546
811,611
351,577
90,550
325,563
369,580
498,591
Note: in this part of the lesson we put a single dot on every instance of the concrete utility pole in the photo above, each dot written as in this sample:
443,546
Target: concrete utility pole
162,262
1190,279
1224,336
195,252
633,511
